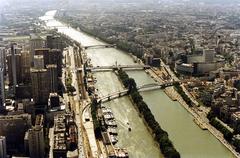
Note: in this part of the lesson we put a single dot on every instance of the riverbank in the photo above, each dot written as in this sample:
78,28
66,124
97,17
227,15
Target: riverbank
160,136
200,119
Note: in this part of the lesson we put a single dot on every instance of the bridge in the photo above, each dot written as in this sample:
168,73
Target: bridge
100,46
142,88
154,86
119,94
113,96
117,67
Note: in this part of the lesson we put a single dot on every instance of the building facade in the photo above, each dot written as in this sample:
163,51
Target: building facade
2,89
3,147
36,142
40,86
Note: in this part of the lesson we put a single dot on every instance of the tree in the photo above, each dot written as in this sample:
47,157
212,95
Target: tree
132,86
136,97
236,143
206,98
71,89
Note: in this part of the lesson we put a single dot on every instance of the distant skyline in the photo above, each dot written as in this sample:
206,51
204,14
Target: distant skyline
127,1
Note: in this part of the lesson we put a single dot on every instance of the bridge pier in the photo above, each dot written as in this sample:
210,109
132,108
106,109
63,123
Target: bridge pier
109,98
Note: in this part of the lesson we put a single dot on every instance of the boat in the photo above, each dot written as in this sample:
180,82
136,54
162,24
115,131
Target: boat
112,131
200,124
113,139
111,123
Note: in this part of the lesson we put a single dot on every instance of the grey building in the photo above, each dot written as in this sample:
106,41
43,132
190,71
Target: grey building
3,147
36,142
2,89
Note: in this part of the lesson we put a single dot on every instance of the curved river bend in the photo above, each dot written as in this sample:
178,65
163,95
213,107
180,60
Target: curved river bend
188,138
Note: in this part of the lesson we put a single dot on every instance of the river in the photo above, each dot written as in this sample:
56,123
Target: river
187,137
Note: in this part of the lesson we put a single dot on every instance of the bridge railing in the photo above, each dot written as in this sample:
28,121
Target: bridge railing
118,66
100,45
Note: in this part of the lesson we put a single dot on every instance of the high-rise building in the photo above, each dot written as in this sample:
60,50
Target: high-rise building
14,64
36,142
36,139
35,43
54,42
14,127
38,62
40,86
2,91
52,72
25,65
3,59
13,74
55,57
14,69
45,53
3,147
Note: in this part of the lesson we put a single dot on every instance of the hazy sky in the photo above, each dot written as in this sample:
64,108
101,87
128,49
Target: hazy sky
53,3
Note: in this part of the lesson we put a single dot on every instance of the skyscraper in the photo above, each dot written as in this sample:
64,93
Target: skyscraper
45,53
38,62
2,91
36,142
13,127
55,57
35,43
54,42
52,73
25,65
14,69
13,66
3,59
36,139
40,86
3,147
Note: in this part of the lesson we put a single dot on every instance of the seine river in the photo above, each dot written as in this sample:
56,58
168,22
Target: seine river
187,137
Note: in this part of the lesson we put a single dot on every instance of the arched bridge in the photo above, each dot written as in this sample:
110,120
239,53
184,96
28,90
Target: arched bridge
100,46
117,67
153,86
113,96
142,88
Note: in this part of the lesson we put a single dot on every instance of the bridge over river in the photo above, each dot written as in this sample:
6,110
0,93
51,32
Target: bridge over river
100,46
117,67
142,88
